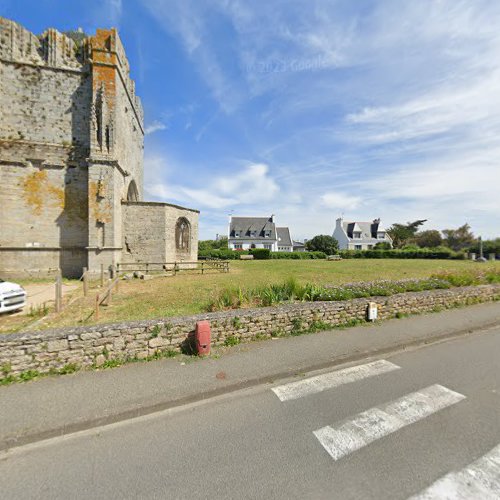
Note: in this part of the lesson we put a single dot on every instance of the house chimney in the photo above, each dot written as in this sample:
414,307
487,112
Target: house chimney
339,222
271,219
376,221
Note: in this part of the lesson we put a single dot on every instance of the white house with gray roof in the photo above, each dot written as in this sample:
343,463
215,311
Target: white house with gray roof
285,243
357,235
246,233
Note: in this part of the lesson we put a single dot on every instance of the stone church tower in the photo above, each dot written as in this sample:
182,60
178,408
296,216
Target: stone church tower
71,159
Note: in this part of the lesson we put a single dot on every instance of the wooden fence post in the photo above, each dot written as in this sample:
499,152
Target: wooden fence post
58,292
102,275
97,307
85,282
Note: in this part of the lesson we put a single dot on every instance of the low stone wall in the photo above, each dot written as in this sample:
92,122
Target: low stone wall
54,350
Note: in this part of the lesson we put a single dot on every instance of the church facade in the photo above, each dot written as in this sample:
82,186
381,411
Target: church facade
71,160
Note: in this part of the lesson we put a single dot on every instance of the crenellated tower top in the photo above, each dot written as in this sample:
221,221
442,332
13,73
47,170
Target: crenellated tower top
72,51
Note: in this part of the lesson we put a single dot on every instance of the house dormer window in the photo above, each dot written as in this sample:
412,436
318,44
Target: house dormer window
380,235
267,234
356,235
253,234
237,234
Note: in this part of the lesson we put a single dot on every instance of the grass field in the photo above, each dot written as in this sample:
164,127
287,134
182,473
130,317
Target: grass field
189,294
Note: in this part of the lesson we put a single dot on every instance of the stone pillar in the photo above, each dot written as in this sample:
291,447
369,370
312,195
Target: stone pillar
105,228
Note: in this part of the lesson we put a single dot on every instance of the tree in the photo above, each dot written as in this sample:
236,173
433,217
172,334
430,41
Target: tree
428,239
489,246
401,233
207,245
323,243
460,238
382,245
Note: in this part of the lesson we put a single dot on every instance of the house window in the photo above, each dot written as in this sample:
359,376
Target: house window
267,234
237,234
253,234
269,247
357,235
380,236
370,247
238,246
358,247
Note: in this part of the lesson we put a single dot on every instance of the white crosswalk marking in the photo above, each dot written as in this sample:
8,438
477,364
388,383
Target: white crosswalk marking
481,480
373,424
319,383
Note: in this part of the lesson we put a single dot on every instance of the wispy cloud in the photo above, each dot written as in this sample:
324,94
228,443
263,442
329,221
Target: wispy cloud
341,201
247,185
155,126
113,11
382,109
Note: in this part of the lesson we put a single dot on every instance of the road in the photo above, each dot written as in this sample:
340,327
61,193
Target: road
421,422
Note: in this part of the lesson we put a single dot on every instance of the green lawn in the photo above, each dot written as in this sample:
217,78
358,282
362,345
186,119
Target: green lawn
189,294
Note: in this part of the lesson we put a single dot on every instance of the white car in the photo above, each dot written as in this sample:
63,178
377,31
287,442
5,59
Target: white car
12,296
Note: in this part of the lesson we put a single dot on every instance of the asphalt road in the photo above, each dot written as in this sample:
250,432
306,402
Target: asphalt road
385,429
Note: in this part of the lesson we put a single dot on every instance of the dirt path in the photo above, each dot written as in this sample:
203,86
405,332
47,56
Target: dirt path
43,293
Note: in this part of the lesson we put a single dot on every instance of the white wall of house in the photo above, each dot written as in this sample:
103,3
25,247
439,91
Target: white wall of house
239,244
358,241
340,235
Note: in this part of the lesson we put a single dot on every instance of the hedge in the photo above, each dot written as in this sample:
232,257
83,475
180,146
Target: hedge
424,253
223,254
226,254
260,253
298,255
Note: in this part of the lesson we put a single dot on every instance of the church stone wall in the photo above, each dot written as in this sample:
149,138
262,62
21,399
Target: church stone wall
173,214
144,233
45,98
150,232
129,139
71,147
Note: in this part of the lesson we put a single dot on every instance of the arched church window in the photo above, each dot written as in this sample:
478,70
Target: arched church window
108,138
98,117
182,234
133,192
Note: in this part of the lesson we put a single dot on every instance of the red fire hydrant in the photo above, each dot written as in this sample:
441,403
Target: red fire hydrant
202,338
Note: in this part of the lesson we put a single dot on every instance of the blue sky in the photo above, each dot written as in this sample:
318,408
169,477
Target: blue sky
313,108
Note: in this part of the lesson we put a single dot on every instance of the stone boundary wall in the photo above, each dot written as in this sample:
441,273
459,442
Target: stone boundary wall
53,350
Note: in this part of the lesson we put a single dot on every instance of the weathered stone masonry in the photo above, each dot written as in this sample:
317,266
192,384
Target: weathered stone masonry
88,346
71,153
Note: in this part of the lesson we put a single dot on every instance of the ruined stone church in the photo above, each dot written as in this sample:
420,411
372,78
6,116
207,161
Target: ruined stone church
71,160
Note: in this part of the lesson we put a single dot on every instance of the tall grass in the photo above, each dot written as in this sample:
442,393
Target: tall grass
292,291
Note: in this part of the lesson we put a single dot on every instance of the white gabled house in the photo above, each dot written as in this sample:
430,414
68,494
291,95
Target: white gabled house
246,233
360,235
285,243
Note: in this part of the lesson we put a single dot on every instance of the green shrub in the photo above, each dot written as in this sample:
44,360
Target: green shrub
288,255
231,340
409,252
298,255
29,375
260,253
323,243
382,245
222,254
